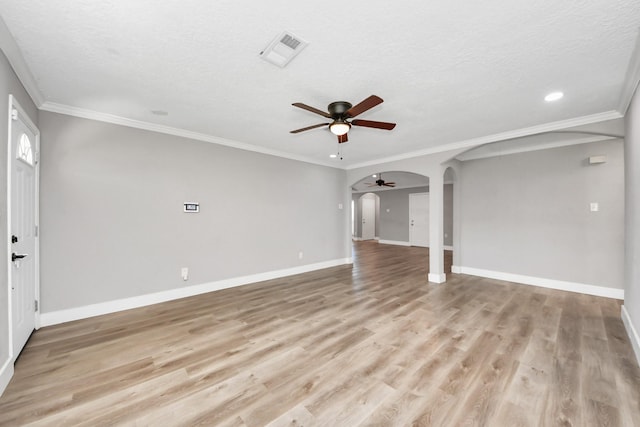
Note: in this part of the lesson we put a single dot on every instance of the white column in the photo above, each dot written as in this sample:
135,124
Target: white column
436,226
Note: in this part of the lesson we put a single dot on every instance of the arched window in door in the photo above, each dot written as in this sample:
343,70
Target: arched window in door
25,151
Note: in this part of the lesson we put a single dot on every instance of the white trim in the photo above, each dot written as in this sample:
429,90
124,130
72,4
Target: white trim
356,239
376,238
11,50
394,242
470,155
517,133
561,285
6,373
402,243
168,130
631,79
456,269
437,278
470,143
68,315
8,243
632,332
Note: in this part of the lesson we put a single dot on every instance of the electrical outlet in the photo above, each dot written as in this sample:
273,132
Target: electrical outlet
300,255
185,273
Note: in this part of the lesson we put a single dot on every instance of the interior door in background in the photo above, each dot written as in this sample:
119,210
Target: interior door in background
368,219
419,219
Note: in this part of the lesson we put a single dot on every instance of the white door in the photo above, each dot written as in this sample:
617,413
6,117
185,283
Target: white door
419,219
23,254
368,219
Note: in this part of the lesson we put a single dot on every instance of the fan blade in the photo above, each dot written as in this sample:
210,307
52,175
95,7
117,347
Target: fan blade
365,105
389,184
342,138
313,110
392,183
373,124
308,128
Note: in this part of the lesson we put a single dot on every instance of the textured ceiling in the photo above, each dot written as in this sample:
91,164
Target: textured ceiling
449,71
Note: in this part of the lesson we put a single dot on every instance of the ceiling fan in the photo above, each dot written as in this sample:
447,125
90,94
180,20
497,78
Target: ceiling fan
380,183
340,112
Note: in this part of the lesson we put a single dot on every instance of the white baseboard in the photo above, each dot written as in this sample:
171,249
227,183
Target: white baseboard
6,372
581,288
394,242
356,239
76,313
403,243
632,332
456,269
437,278
376,238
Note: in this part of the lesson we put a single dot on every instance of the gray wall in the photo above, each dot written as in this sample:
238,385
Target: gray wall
112,221
632,214
394,225
9,84
528,214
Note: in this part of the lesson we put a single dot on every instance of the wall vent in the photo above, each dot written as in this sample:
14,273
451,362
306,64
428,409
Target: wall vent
283,49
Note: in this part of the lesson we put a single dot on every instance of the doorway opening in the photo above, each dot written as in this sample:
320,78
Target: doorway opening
448,217
366,213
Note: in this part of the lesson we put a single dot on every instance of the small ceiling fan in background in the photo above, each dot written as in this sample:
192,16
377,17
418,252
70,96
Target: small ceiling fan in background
340,112
380,182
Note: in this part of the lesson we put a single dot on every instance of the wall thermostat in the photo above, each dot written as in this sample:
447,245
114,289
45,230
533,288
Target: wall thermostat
192,207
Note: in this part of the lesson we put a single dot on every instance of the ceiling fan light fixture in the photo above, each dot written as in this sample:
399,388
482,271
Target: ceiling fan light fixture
339,127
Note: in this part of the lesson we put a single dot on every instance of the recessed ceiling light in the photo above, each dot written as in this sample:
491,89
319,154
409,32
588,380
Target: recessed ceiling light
553,96
373,176
333,156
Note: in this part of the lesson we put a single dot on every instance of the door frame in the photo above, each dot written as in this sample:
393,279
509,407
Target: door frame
14,105
412,196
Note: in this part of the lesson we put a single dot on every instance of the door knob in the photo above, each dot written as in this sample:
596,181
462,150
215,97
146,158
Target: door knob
15,256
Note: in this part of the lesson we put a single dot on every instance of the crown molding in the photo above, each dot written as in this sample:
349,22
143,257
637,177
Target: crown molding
10,48
168,130
468,155
631,79
503,136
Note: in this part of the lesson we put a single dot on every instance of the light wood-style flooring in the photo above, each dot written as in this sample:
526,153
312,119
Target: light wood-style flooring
371,344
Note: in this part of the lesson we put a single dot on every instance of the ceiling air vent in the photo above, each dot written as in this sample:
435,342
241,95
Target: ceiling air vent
283,49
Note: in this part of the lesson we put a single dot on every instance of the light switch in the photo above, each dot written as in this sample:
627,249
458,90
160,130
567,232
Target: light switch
594,207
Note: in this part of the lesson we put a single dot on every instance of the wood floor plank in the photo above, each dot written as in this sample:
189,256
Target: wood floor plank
371,344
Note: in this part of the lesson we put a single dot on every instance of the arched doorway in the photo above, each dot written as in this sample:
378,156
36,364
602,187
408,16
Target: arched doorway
365,214
448,209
